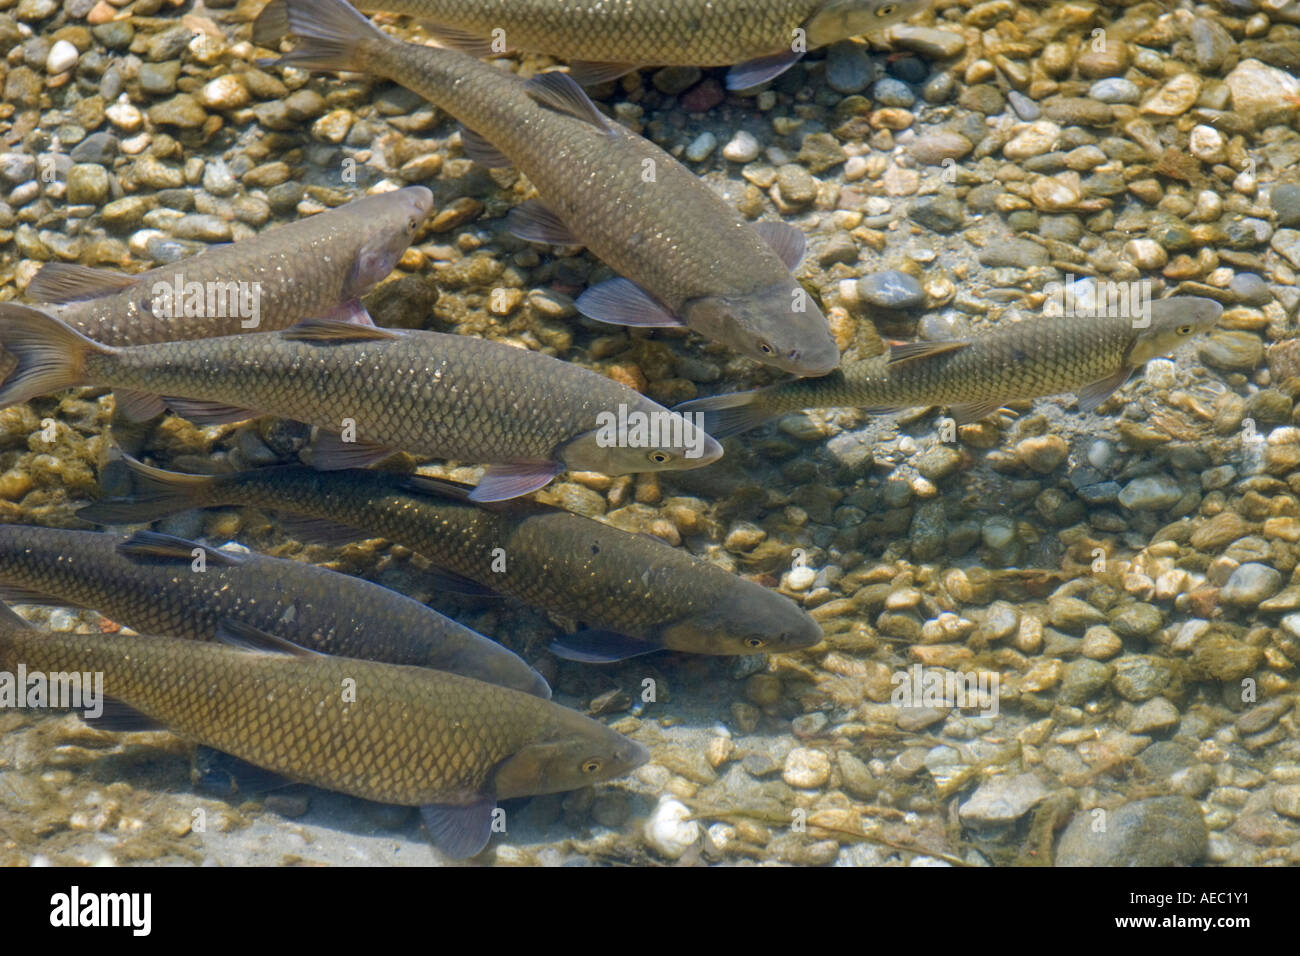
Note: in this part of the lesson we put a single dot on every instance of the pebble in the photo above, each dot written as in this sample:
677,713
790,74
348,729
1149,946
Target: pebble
1150,493
1175,97
1285,200
701,147
1286,800
1250,584
63,56
940,213
891,92
1259,90
88,183
848,68
1115,90
224,93
742,148
1003,799
891,289
806,768
1160,831
668,830
796,185
1042,453
1034,140
1154,716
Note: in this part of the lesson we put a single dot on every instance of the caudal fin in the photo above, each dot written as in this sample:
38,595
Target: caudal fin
154,494
727,415
49,355
327,34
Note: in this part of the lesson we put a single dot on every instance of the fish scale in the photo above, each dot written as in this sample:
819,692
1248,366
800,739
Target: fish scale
148,583
303,268
413,736
447,396
1092,355
629,202
686,32
629,584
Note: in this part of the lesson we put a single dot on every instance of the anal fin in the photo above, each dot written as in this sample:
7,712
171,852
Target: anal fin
1091,396
459,832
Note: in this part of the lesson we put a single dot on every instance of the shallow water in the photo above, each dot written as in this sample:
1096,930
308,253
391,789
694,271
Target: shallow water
1123,581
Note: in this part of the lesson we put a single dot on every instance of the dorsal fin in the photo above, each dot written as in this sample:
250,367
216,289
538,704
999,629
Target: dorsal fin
151,547
561,92
60,282
333,332
237,634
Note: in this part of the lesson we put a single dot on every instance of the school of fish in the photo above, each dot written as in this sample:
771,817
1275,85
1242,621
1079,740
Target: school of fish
335,681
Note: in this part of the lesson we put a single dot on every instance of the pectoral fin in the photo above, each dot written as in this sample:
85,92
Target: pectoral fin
1091,396
245,637
119,718
600,647
332,332
909,351
329,452
137,406
209,413
510,481
533,222
622,302
744,76
787,241
352,312
459,832
150,547
478,148
463,40
973,411
593,73
320,530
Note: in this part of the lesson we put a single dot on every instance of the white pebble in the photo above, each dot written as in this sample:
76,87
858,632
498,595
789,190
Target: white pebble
125,117
62,57
800,579
743,148
1206,144
855,168
668,831
806,768
1160,373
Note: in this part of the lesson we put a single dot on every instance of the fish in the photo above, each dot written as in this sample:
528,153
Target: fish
1093,356
396,734
160,584
633,593
604,40
317,267
684,257
370,391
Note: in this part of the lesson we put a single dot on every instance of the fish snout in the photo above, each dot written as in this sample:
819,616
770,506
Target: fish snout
819,360
633,754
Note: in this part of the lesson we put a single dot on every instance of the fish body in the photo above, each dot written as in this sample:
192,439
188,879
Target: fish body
157,584
664,32
633,592
974,377
449,396
684,256
395,734
319,266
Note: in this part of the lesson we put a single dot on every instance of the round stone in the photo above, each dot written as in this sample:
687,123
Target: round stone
806,768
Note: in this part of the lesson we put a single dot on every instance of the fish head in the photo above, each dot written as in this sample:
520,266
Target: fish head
631,440
747,619
573,752
379,255
779,326
1172,323
840,19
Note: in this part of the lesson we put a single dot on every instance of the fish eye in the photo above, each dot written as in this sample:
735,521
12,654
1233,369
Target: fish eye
886,10
765,348
1184,330
660,457
591,766
755,642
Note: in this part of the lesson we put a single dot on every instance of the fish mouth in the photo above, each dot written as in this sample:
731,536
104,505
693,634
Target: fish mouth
635,754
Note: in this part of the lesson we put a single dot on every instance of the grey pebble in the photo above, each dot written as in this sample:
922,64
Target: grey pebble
1160,831
891,289
1251,583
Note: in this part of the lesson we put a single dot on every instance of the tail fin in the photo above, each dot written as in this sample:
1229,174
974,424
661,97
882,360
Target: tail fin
155,493
727,415
49,354
327,34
